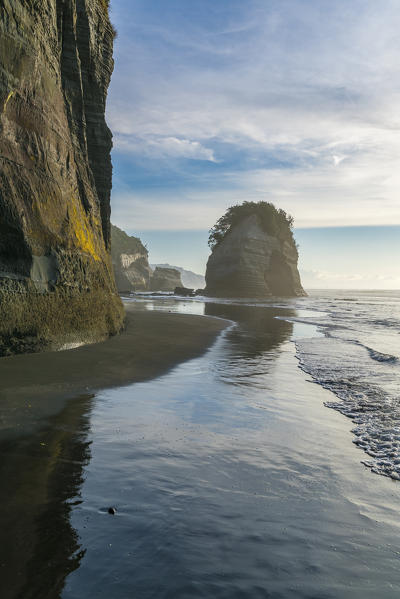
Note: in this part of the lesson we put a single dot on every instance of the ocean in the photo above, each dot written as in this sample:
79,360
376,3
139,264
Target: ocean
266,468
358,359
355,354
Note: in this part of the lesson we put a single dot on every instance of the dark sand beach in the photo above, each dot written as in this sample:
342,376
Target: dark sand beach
45,405
230,477
35,386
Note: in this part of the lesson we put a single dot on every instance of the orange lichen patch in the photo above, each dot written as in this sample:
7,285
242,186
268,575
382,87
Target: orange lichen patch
84,230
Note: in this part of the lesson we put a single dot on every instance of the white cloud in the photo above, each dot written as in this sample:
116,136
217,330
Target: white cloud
334,280
321,196
163,147
338,159
163,212
284,82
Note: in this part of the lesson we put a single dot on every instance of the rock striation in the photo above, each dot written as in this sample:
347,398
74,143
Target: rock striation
130,262
56,279
165,279
249,262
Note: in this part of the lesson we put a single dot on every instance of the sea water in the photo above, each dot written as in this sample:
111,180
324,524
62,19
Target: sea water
229,476
358,359
356,355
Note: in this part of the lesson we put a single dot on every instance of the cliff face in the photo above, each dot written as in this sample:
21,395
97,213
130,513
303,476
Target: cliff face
251,263
189,279
130,262
165,279
56,281
132,269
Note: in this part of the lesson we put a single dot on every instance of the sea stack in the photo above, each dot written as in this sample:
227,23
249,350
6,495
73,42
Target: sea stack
253,254
56,279
165,279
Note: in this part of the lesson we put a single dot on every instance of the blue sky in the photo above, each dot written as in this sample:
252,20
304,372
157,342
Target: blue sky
290,101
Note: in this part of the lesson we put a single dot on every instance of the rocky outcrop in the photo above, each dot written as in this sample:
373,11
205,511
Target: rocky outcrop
56,280
189,279
132,269
249,262
184,291
165,279
130,262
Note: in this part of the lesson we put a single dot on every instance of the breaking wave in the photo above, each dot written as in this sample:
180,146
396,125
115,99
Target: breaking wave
357,359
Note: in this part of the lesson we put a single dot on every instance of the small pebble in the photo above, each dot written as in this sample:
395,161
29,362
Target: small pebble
112,510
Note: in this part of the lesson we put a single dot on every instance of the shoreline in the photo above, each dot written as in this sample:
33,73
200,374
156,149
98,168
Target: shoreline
35,387
232,469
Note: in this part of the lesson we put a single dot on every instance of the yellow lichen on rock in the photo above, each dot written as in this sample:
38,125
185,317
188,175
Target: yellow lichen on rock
10,95
82,230
56,280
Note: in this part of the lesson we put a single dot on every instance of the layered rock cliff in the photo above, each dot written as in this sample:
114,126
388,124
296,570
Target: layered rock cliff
249,262
130,262
189,278
165,279
56,280
132,269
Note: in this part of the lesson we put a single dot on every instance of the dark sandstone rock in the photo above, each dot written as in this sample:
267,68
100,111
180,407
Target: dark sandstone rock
130,262
56,280
165,279
184,291
251,263
189,278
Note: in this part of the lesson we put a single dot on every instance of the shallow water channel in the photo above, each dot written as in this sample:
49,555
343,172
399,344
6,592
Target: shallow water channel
229,476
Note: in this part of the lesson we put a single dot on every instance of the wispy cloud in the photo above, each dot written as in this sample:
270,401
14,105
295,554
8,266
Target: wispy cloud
156,147
164,212
295,102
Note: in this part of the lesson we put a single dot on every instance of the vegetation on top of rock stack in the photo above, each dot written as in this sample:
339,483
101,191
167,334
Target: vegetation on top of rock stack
122,243
273,221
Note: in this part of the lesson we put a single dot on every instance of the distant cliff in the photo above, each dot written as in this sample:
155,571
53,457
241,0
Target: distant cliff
253,254
56,280
165,279
189,279
132,269
130,262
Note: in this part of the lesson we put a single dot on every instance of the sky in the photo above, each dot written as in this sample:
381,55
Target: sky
296,102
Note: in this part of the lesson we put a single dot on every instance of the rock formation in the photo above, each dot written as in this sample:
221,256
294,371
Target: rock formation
185,291
249,262
132,269
130,262
189,278
56,281
165,279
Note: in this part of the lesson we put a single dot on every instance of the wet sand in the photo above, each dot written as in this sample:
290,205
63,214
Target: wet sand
34,387
229,475
232,480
